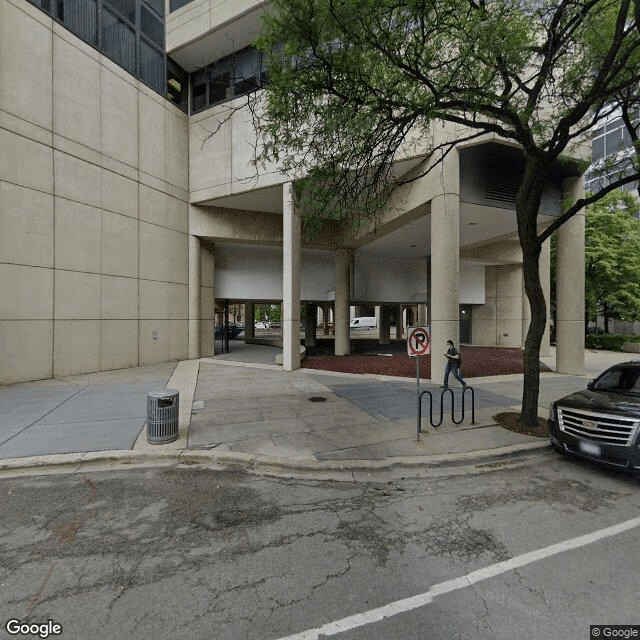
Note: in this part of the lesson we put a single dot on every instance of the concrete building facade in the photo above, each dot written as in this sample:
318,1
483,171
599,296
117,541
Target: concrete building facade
124,218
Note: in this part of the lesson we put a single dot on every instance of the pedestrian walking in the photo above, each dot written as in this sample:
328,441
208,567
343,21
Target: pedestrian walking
454,363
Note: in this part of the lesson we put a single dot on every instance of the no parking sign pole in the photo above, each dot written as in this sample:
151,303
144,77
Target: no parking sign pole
418,344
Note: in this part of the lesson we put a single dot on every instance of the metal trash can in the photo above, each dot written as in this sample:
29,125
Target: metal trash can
162,416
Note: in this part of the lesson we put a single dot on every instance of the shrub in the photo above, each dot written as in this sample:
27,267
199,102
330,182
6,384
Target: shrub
609,341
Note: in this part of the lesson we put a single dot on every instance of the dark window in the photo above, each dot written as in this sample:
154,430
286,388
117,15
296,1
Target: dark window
613,142
228,78
151,26
219,86
118,41
157,6
246,71
80,17
614,124
177,83
598,148
177,4
199,95
152,66
127,8
45,5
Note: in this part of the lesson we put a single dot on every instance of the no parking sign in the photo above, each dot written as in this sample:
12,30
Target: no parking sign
418,342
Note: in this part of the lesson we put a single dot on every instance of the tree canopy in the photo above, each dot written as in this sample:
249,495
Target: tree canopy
355,85
612,258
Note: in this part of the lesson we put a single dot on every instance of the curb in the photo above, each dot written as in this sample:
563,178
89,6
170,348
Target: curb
486,459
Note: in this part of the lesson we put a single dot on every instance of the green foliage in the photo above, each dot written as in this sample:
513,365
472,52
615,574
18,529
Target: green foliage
612,258
267,312
354,85
609,341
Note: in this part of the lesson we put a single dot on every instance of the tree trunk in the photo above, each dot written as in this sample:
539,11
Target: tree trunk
527,206
537,304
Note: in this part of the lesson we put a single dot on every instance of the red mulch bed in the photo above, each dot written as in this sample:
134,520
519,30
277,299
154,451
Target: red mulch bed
511,420
477,361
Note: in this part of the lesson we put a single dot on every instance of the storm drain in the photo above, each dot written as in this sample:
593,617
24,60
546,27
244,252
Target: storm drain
317,399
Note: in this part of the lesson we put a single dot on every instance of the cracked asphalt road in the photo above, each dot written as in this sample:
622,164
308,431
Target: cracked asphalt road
188,552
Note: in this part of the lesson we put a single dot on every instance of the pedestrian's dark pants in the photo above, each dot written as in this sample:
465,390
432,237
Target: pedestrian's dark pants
455,369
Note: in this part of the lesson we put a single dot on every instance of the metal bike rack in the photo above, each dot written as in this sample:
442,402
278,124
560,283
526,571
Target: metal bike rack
453,418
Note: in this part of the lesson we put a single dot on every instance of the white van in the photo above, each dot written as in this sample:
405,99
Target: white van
363,323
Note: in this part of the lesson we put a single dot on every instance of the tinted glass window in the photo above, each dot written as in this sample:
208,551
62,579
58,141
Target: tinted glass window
620,379
199,95
151,66
598,148
218,86
80,17
151,26
126,7
177,4
157,5
118,41
614,141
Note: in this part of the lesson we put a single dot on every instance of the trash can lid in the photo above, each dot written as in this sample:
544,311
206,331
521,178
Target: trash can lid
163,394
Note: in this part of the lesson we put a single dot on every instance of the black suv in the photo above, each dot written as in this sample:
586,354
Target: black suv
602,423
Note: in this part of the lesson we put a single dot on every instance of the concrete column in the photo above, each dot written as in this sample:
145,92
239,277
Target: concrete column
310,325
194,297
399,322
384,332
249,326
353,312
445,266
290,281
376,313
422,315
570,287
343,259
545,279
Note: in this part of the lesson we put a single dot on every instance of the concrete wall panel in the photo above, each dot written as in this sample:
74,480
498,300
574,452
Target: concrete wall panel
25,72
25,162
119,245
26,293
77,180
76,93
119,194
163,300
26,346
163,210
119,344
153,341
119,298
178,339
164,254
118,111
27,226
76,347
78,295
77,236
69,251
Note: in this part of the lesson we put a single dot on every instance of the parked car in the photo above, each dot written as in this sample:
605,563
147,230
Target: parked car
234,331
602,423
261,325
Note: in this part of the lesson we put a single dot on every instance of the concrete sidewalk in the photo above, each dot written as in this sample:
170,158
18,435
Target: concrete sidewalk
255,415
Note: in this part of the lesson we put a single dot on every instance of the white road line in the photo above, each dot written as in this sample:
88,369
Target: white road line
408,604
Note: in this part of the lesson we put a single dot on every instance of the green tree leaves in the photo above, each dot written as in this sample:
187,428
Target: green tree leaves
612,258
